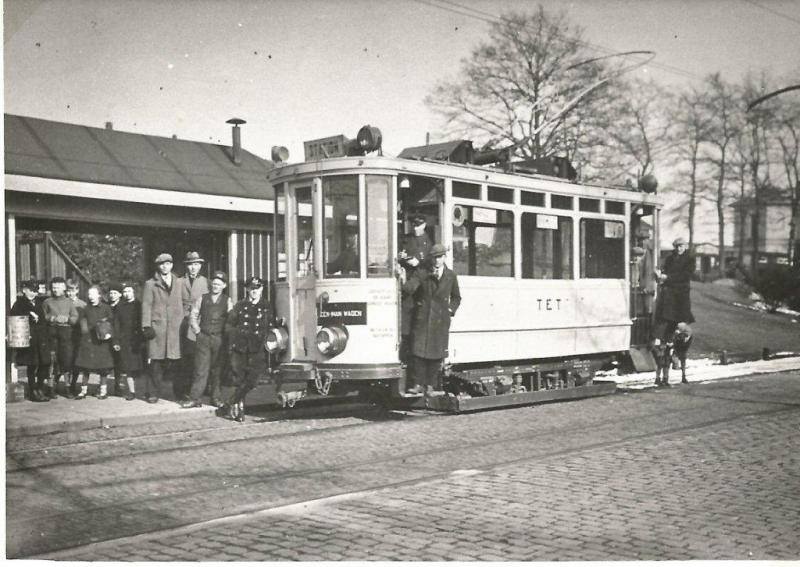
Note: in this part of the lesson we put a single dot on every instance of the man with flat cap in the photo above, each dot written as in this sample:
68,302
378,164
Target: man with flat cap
246,327
674,305
162,316
437,297
193,287
207,320
413,257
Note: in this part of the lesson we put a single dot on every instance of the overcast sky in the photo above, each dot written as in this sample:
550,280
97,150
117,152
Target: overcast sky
298,70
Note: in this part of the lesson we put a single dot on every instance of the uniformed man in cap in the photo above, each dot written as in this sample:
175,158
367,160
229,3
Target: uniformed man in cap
437,297
207,321
162,316
414,256
193,286
246,327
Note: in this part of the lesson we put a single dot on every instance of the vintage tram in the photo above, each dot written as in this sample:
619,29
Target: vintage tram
546,268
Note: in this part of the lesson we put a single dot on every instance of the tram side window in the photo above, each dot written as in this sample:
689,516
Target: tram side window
546,247
280,232
340,226
305,231
483,244
379,226
602,249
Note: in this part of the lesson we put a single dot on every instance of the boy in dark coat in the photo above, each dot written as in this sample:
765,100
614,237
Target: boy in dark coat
98,336
437,298
128,347
36,357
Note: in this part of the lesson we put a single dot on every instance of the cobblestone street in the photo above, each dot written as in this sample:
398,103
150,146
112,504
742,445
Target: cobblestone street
707,471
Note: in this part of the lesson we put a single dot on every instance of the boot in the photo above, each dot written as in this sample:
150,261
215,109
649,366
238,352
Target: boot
103,393
131,394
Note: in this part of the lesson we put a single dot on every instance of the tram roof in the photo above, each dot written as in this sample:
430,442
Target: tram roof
468,173
58,150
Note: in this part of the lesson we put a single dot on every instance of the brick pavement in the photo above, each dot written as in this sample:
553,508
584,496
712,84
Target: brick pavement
692,473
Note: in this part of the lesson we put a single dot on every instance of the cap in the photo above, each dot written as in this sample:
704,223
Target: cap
418,219
126,283
437,250
115,286
254,282
163,257
219,275
679,241
192,257
58,279
30,284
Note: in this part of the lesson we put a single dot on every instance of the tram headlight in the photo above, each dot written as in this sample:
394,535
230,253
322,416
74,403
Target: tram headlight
276,340
331,340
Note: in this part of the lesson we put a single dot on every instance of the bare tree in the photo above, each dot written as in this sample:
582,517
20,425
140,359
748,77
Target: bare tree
788,136
522,87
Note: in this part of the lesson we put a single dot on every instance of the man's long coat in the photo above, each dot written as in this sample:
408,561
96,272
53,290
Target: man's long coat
162,309
191,292
674,304
435,301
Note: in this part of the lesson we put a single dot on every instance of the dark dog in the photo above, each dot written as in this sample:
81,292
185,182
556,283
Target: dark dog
682,340
662,353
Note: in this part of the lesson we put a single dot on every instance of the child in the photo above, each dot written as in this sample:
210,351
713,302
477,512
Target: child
128,319
37,356
73,289
682,340
96,322
61,315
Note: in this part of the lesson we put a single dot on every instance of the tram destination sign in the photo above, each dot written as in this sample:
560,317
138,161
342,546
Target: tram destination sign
344,313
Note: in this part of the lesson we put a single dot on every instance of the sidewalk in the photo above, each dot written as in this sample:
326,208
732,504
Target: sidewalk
28,418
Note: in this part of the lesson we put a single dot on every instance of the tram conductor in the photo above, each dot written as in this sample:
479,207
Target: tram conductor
436,299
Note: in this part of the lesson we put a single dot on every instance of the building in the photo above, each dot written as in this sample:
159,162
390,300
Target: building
773,227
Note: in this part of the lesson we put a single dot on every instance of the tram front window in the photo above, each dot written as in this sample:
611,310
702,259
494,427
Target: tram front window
340,226
379,226
305,231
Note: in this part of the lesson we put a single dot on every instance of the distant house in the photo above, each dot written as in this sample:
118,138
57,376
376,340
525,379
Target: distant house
773,227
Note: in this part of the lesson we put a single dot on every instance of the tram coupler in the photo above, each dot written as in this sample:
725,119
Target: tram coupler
288,399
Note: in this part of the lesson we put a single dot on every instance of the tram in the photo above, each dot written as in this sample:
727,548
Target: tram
544,266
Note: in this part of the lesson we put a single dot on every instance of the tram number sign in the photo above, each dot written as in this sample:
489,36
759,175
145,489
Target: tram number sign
549,222
343,313
614,230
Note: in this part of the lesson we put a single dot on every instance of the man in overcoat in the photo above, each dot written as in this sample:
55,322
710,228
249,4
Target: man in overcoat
674,303
193,286
414,256
436,298
162,316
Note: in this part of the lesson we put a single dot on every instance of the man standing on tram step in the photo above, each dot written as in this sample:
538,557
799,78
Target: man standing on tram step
193,287
246,327
436,297
162,315
61,315
414,256
207,322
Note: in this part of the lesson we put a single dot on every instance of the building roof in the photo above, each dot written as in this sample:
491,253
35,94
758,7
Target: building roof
57,150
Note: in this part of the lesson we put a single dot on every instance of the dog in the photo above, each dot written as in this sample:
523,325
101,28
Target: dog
662,354
682,340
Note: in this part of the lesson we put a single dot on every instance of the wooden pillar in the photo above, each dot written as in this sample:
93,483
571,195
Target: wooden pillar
12,374
233,259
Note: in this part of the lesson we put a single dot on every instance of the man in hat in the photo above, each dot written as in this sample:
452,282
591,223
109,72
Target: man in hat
674,303
193,287
414,256
61,315
35,357
437,297
162,316
246,327
207,321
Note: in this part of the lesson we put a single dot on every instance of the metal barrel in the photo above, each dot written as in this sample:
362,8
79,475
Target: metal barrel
19,331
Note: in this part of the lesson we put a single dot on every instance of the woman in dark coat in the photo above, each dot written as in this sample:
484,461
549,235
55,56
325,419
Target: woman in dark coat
98,336
36,357
674,304
128,350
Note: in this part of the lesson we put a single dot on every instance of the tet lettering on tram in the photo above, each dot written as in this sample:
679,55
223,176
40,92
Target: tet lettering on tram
342,313
549,303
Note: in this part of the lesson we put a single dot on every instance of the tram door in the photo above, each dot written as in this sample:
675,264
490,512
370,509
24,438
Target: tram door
419,195
643,284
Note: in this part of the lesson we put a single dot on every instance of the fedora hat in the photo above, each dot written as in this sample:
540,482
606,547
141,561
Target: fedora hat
192,257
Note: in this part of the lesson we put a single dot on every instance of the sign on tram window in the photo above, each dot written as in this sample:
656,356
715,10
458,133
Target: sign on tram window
488,216
549,222
613,229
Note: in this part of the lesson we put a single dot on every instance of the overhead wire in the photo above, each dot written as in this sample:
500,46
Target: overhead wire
773,11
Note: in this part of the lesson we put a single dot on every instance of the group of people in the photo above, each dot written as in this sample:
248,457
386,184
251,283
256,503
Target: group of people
430,298
184,325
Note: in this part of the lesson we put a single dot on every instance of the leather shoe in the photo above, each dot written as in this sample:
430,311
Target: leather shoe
152,399
130,396
215,402
187,404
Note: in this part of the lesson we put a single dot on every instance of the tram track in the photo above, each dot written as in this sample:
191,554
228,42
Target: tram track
264,508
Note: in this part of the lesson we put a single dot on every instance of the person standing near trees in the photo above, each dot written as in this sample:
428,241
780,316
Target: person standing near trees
162,316
674,305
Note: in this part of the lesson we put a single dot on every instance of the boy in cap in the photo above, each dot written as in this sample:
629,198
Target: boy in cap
437,297
61,315
162,316
127,350
193,287
246,327
36,357
73,288
207,322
